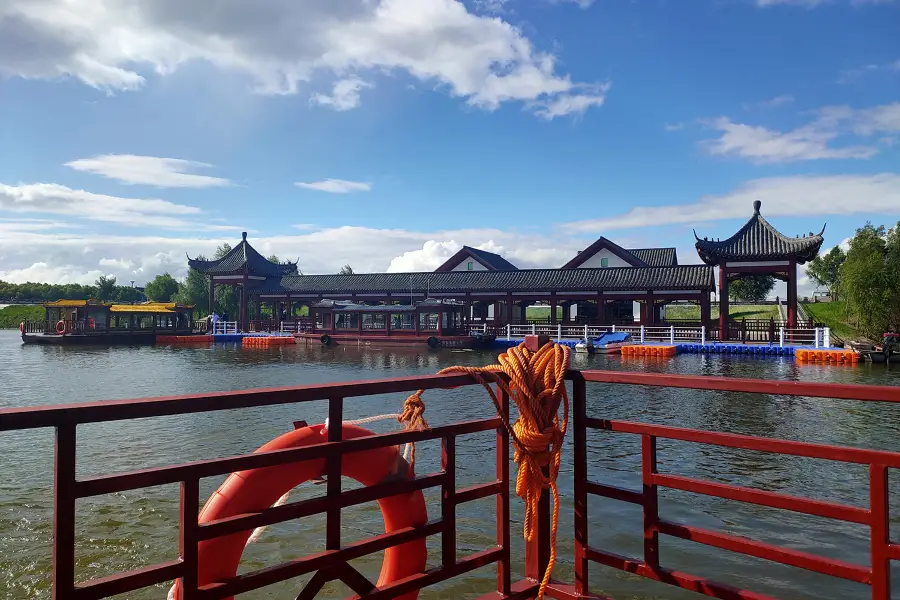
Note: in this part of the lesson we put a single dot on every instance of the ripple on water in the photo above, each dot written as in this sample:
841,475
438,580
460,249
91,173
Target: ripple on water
138,528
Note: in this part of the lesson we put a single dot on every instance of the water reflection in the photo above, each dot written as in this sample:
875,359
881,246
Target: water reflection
139,528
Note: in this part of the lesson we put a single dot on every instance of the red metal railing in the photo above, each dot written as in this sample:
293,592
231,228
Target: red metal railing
332,562
875,517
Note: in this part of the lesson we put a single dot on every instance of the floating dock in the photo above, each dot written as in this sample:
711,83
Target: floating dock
267,341
184,339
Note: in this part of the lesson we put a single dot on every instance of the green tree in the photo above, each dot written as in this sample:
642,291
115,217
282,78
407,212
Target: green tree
346,270
751,288
106,288
870,279
161,288
194,290
127,295
825,270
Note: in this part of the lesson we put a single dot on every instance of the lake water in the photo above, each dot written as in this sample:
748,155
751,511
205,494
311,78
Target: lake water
139,528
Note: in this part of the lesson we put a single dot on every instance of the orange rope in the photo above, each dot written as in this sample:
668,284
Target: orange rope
536,383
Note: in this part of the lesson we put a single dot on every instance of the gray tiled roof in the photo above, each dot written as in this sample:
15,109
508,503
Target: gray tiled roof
758,240
687,277
656,257
243,254
492,259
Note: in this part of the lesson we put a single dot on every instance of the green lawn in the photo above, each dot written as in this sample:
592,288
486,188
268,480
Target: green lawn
834,315
11,316
692,312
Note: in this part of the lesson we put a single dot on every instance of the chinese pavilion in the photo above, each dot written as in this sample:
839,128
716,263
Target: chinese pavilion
243,267
758,248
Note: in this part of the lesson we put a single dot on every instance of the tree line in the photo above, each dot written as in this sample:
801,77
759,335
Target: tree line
866,277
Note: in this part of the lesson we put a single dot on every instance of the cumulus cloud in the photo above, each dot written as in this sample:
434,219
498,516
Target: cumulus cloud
280,45
828,194
815,140
148,170
335,186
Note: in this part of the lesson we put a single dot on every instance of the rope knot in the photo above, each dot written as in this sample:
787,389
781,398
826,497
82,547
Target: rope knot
413,420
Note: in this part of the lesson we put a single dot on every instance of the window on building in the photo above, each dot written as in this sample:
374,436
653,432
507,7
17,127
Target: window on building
471,266
604,262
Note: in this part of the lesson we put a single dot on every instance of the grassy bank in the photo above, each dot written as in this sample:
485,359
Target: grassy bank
11,316
750,311
834,315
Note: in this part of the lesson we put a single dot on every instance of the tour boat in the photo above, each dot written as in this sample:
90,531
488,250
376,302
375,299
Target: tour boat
433,322
80,322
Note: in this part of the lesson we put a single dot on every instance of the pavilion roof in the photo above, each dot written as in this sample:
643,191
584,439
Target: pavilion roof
241,256
150,307
757,240
686,277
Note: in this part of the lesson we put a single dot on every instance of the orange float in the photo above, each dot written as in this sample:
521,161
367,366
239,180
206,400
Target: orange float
257,489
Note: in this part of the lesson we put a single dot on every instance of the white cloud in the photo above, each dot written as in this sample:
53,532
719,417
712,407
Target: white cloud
812,141
344,95
781,197
335,186
148,170
429,257
674,126
280,45
571,104
580,3
41,272
54,199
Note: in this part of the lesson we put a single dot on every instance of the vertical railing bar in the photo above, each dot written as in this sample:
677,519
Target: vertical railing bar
880,534
190,501
579,395
651,501
448,501
64,512
504,578
333,469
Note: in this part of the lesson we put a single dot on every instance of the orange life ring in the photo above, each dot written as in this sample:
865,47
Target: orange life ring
61,327
92,324
258,489
22,327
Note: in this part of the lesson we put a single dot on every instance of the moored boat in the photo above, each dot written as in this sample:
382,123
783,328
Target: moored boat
83,322
432,322
606,343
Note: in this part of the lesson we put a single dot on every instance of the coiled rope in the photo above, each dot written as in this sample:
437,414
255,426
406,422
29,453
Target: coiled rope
535,381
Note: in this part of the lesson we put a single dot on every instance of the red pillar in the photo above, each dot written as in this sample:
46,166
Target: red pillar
723,305
705,310
792,296
212,294
553,312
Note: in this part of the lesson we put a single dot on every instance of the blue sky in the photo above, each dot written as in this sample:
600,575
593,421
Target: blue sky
387,133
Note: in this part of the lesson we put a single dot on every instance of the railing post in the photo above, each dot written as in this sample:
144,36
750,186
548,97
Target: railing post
642,334
651,502
614,328
448,502
826,339
64,513
559,333
816,337
579,403
508,332
781,336
672,335
187,540
880,532
533,329
585,333
703,335
504,578
333,479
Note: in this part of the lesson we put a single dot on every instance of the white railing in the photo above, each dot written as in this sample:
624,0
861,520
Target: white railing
290,327
224,327
666,334
820,337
